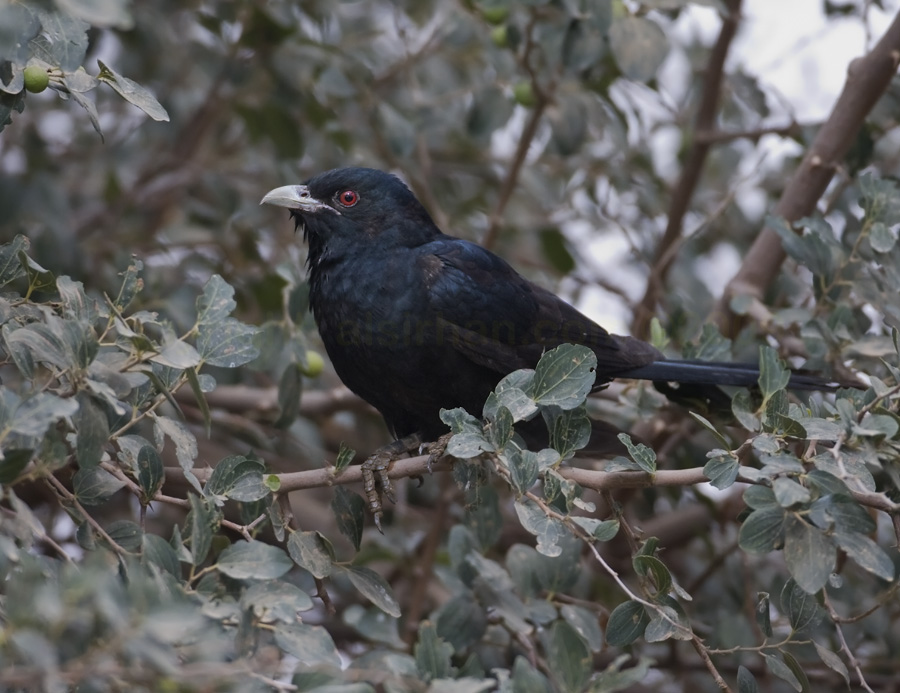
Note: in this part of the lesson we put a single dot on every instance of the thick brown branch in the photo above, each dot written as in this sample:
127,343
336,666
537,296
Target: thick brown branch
704,122
867,79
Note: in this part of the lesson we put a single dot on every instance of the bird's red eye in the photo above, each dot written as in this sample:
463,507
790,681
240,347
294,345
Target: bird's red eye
348,198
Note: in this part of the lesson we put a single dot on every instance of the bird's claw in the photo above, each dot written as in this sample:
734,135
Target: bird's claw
437,450
378,464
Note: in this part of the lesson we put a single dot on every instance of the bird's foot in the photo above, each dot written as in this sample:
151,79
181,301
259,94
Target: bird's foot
379,464
436,450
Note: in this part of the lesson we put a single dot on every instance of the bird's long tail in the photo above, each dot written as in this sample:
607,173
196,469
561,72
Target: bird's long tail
720,373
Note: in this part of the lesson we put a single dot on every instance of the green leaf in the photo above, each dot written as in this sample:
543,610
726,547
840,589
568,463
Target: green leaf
275,601
95,485
36,342
782,671
810,250
744,411
193,378
216,302
559,573
585,623
350,512
290,387
512,392
432,654
614,678
801,607
185,445
10,268
652,567
664,625
237,477
344,457
841,512
763,530
789,492
39,278
833,662
150,471
792,664
746,681
177,354
722,470
499,427
459,420
87,104
523,467
92,430
600,530
866,553
133,93
643,456
157,551
809,554
227,343
126,534
374,588
712,429
626,624
76,305
461,621
253,560
553,243
67,37
527,679
773,376
312,551
131,284
311,645
12,464
639,47
763,613
468,444
570,430
202,522
548,530
572,662
483,515
564,376
876,425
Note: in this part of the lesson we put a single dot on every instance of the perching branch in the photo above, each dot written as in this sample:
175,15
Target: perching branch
588,478
867,79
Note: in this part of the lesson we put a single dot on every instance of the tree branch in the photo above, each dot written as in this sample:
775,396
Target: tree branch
690,174
867,79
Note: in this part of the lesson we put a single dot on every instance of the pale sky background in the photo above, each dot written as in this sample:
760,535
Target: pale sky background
801,59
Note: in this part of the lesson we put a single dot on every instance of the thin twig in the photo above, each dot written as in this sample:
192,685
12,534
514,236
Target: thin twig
854,662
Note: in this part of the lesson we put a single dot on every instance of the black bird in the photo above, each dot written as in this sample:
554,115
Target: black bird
415,320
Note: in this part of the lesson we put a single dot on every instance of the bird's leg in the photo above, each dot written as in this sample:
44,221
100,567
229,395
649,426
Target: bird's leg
380,463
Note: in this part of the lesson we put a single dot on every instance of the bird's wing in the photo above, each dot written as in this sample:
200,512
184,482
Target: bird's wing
502,321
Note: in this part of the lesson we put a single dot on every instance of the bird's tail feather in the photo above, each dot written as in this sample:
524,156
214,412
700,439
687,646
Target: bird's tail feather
719,373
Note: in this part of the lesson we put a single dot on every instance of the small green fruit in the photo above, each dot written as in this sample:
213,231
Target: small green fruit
500,36
524,94
36,79
495,15
315,364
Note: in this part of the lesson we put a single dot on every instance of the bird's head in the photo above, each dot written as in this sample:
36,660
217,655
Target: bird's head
346,209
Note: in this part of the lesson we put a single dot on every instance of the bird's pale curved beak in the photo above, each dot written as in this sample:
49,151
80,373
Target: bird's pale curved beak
295,197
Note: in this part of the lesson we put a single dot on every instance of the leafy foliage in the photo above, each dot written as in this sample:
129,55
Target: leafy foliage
165,518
